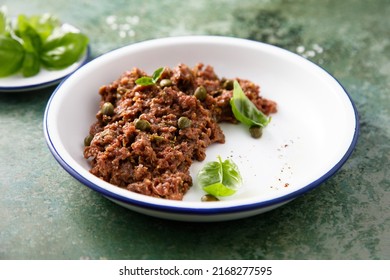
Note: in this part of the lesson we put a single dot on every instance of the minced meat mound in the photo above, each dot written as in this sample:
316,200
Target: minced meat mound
138,142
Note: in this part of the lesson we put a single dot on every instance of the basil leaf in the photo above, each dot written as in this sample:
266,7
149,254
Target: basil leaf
244,110
220,178
29,37
211,173
11,56
144,81
3,22
31,64
231,176
62,50
219,189
157,74
44,25
148,81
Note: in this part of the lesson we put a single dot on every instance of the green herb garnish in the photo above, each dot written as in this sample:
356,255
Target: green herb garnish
30,43
148,81
3,21
11,56
220,178
245,111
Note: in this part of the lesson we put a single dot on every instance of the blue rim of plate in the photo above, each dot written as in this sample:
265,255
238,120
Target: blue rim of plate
206,211
46,84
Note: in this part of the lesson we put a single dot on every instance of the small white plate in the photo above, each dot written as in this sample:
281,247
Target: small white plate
308,140
45,78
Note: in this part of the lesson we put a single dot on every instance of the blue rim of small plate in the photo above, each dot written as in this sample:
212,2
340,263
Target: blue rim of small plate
206,211
37,86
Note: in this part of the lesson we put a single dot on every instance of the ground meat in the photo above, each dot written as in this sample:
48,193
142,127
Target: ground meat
155,160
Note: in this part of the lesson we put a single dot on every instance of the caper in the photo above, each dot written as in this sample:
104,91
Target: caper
165,83
107,109
228,84
256,131
200,93
208,198
88,140
183,122
142,125
121,90
157,138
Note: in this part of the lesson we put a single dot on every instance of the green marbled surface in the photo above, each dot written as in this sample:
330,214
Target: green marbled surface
46,214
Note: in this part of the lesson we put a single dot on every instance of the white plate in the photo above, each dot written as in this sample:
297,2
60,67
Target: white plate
308,140
45,78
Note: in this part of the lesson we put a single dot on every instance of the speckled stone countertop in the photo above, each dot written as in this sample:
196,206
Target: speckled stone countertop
46,214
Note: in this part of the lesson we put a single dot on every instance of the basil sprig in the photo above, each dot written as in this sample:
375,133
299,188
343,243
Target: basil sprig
245,111
148,81
220,178
37,41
